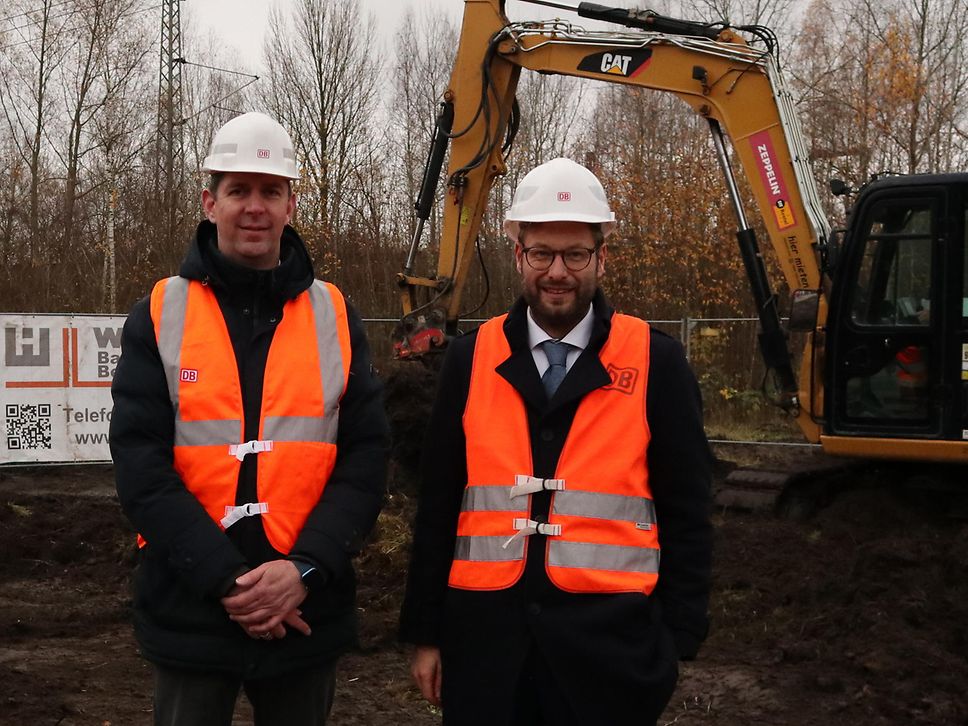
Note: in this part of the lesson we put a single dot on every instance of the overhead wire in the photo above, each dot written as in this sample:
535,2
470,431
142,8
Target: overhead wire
34,22
216,104
27,13
72,28
215,68
236,111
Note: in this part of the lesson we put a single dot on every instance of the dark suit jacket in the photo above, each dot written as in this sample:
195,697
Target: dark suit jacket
611,654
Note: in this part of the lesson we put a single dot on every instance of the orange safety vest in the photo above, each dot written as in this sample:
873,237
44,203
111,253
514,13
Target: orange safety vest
601,531
306,372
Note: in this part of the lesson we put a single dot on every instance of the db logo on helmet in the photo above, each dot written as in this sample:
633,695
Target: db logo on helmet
564,196
263,153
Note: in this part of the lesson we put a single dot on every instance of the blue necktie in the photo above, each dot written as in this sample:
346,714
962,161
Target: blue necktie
557,353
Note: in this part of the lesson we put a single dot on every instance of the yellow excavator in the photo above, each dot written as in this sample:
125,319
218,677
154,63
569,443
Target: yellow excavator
883,304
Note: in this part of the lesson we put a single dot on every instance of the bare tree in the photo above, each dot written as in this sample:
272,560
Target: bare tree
322,85
120,135
107,50
425,46
11,190
889,92
774,14
33,59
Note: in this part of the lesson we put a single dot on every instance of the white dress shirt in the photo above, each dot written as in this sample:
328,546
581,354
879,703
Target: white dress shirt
577,337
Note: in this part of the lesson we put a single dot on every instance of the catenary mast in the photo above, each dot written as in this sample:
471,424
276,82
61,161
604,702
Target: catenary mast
170,120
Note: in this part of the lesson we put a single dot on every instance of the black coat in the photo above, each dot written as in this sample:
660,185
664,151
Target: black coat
189,562
614,655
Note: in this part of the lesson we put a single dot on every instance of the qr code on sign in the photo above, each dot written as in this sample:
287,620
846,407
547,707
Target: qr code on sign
28,426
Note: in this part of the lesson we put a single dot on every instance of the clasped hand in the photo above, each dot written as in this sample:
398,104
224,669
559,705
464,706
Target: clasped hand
265,600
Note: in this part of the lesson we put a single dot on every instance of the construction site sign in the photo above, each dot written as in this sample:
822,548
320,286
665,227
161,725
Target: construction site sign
55,386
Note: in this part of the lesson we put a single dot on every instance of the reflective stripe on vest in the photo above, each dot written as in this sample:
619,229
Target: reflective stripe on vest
601,532
306,372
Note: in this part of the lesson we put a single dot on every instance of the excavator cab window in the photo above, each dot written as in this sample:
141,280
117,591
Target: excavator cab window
894,278
883,353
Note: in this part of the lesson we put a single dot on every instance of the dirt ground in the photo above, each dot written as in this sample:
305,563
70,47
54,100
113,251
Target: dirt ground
856,614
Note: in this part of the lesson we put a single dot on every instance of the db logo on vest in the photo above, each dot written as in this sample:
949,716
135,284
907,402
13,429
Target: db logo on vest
623,379
188,375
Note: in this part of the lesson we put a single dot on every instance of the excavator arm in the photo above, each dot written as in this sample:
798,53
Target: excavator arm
736,87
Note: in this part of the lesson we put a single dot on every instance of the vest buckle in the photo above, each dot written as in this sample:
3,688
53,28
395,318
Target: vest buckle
526,527
240,451
524,484
249,509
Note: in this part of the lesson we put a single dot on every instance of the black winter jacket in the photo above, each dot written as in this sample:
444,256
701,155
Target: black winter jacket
614,655
189,562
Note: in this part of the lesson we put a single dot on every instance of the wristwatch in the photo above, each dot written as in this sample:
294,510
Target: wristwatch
312,578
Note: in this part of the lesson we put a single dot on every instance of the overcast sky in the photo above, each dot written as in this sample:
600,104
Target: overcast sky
240,23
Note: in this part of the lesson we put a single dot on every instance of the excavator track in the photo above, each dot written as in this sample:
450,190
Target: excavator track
794,487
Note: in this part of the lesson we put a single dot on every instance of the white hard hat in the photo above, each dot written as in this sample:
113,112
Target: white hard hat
252,142
559,190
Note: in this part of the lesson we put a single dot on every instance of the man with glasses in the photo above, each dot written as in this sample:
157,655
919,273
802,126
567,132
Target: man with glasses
565,451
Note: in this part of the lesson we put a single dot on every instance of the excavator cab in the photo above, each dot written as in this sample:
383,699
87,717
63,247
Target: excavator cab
897,332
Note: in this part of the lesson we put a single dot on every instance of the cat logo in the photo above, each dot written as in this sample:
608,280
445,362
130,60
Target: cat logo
625,63
616,64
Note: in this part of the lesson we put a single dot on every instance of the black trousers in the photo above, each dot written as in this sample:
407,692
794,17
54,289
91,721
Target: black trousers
540,701
192,698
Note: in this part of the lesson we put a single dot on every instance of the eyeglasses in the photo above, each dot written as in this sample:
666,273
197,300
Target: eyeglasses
575,259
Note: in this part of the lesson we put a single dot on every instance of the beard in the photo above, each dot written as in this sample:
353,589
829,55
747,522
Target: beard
560,311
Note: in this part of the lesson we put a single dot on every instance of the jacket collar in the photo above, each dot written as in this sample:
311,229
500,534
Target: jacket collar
585,375
204,262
